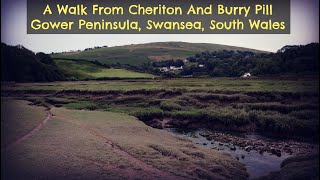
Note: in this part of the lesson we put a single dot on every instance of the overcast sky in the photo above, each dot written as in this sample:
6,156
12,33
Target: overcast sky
304,30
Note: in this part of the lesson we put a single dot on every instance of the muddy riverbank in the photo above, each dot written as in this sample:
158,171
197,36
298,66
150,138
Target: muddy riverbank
261,155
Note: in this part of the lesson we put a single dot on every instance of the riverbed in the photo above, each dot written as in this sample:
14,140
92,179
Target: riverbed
257,162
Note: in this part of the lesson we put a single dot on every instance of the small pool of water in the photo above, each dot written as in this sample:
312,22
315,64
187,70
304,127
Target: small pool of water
257,164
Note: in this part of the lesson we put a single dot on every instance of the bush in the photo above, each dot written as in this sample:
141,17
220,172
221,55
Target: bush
169,106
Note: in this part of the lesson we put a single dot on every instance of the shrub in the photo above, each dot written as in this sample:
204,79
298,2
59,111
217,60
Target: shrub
169,106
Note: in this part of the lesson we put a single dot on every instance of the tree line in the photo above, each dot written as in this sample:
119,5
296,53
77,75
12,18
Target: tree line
298,59
19,64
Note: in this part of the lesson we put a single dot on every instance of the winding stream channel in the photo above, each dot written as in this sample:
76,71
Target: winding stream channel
257,162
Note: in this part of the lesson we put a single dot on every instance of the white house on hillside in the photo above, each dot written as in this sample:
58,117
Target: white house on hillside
175,68
164,69
246,75
171,68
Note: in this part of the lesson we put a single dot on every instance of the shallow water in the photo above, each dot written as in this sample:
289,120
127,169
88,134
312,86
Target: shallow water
257,164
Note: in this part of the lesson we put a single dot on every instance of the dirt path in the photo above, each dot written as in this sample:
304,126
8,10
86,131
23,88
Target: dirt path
138,164
35,130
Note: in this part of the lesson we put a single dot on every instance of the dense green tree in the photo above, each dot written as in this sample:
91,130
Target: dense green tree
22,65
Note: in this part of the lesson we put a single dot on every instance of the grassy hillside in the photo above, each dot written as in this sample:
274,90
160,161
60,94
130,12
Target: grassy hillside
87,70
140,53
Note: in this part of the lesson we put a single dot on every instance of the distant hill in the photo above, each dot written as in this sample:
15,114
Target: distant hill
19,64
79,70
139,53
22,65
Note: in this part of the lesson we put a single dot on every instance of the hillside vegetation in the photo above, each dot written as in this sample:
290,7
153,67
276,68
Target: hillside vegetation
293,60
157,59
78,70
22,65
141,53
203,60
19,64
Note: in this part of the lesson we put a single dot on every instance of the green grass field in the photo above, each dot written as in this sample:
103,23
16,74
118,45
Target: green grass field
141,53
87,70
205,84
